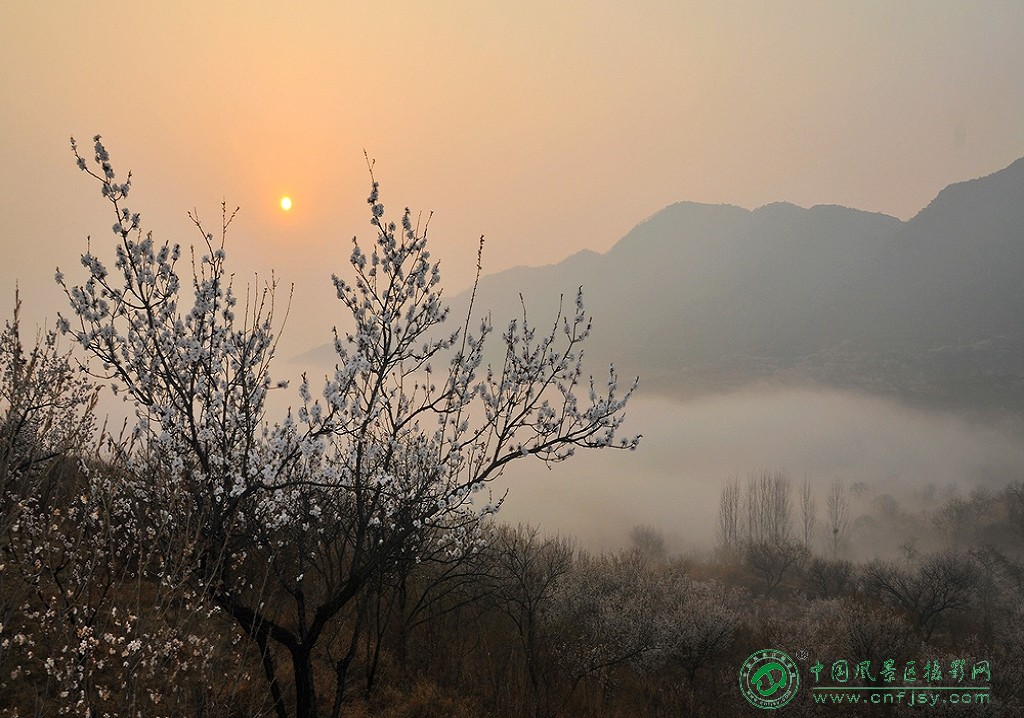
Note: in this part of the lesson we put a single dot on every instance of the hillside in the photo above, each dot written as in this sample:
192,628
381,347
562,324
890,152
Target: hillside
705,298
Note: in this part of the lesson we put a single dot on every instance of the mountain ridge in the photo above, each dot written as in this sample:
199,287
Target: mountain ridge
708,297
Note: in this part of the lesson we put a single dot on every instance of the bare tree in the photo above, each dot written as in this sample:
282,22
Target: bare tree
769,507
768,548
780,508
729,512
419,590
753,509
527,575
290,522
878,631
649,541
828,578
808,517
772,561
837,508
960,519
941,584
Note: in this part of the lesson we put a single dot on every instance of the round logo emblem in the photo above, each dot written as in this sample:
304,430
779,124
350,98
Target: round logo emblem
769,679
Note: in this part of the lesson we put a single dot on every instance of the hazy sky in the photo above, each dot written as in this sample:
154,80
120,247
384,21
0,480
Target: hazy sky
547,126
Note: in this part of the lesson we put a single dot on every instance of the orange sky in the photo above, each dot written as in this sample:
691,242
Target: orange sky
548,126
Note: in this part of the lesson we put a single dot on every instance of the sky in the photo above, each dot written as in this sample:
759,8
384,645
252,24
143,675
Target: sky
549,127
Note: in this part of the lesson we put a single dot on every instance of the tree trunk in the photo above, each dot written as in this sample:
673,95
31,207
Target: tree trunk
403,634
305,687
268,669
340,676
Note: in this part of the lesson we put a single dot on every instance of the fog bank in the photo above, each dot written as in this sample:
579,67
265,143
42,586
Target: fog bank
689,449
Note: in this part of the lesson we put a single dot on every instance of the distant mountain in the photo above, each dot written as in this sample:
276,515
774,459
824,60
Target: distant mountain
704,298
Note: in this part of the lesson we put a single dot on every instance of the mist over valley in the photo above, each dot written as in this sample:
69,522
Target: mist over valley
828,343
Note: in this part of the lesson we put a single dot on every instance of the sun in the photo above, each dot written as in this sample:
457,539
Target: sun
286,203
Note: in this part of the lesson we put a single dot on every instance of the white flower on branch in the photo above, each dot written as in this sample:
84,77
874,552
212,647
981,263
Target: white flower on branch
381,468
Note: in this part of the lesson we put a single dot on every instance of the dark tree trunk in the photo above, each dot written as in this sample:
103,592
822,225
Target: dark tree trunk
403,631
340,677
305,687
268,669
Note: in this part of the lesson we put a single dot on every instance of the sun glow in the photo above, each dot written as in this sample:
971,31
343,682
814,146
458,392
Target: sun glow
286,203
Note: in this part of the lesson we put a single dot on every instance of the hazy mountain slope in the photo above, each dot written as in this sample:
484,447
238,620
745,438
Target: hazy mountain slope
702,297
965,253
707,297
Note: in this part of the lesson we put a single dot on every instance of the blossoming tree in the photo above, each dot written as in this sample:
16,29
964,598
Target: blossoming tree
286,523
